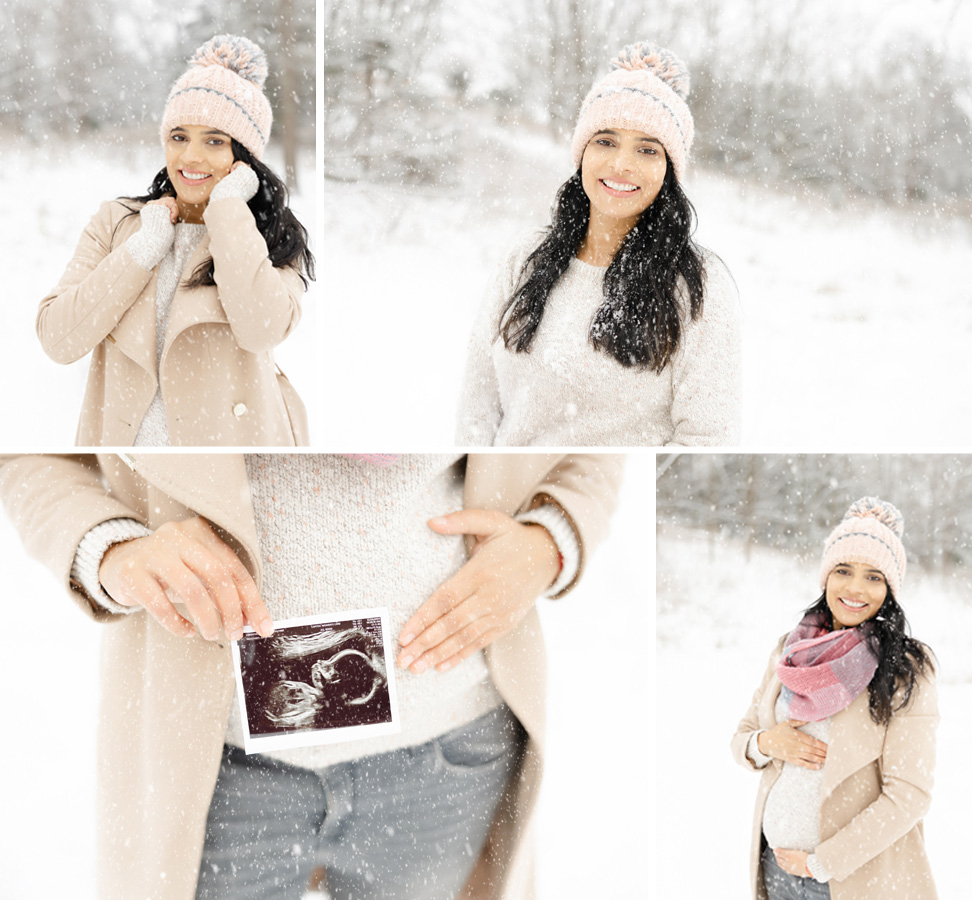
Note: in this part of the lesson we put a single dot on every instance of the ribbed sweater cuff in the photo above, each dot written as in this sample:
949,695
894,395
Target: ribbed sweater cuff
94,545
760,760
242,182
563,536
817,868
152,241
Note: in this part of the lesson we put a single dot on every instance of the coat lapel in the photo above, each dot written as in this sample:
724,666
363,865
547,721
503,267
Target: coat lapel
214,485
857,742
193,306
134,334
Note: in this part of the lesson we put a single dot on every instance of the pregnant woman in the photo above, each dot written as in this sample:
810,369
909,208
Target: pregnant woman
842,728
612,327
181,295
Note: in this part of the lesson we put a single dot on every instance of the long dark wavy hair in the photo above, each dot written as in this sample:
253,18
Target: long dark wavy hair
901,658
640,321
286,238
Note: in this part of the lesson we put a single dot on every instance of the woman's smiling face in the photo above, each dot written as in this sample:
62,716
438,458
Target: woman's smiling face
197,157
622,172
855,593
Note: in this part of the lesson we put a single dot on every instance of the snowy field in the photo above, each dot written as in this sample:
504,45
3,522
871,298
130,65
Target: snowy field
49,195
586,819
841,302
720,611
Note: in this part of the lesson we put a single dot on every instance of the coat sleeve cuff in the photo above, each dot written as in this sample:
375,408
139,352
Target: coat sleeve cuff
817,869
551,518
760,760
94,545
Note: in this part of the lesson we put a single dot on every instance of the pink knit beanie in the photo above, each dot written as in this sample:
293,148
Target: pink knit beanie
646,91
870,533
223,87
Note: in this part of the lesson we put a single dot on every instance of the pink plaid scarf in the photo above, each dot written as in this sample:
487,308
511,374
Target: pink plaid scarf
823,671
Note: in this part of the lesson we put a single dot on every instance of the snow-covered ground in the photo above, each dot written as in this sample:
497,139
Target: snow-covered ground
720,610
598,730
49,194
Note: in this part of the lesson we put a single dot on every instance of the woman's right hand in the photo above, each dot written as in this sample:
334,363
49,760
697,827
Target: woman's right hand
783,741
170,204
185,562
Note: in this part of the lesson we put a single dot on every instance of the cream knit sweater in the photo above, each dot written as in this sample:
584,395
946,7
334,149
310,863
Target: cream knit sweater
791,817
566,393
339,533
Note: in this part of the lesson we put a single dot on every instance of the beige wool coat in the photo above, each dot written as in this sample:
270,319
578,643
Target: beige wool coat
165,700
217,375
876,789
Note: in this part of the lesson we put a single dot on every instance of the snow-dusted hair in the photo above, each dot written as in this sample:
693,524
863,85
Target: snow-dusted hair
657,271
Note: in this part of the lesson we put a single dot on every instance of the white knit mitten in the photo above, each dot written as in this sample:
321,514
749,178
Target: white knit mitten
152,241
242,182
817,869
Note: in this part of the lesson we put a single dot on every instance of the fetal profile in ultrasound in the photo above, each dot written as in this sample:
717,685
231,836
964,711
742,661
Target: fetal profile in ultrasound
315,677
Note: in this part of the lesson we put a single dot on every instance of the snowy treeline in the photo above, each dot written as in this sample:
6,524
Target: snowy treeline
73,68
791,501
869,97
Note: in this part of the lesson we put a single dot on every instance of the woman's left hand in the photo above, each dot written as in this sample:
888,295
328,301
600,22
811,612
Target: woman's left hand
242,184
510,566
793,862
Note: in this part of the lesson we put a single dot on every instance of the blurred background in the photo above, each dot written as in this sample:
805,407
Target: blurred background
738,547
831,172
83,85
870,98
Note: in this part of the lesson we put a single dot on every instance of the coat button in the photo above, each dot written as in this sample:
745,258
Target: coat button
239,409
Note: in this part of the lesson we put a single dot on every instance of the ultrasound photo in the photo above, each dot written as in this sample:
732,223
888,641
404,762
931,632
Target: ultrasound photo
317,680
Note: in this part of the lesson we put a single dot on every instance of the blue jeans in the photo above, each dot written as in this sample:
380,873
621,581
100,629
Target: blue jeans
408,823
782,885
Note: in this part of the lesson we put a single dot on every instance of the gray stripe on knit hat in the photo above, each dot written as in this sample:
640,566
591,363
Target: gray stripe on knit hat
873,537
242,109
633,90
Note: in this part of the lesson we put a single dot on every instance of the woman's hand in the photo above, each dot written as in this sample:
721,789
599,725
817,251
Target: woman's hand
510,566
241,181
793,862
170,204
784,742
185,562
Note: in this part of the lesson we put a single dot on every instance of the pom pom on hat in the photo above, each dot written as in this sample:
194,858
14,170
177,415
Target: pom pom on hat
223,88
886,513
238,54
663,63
645,91
870,533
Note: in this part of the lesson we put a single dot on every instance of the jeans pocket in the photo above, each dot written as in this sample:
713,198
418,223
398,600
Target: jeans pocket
486,741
